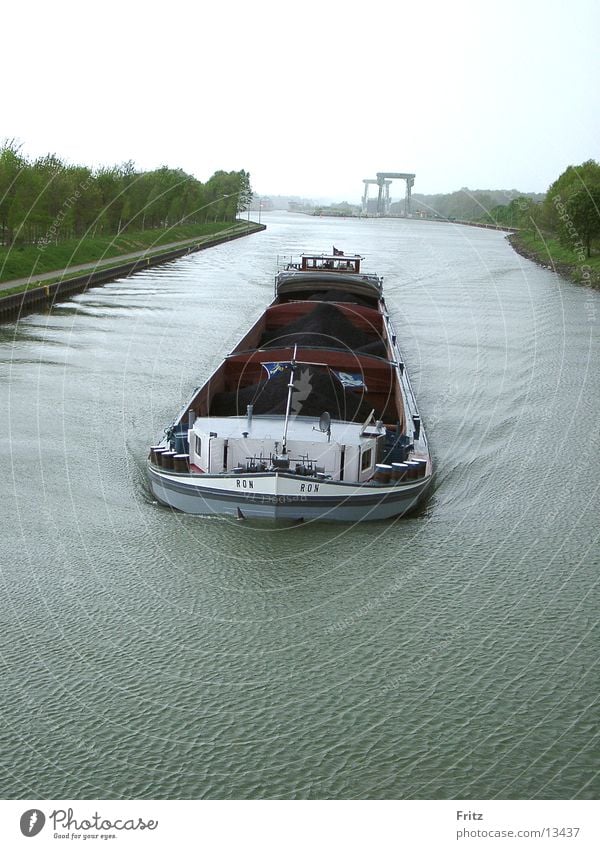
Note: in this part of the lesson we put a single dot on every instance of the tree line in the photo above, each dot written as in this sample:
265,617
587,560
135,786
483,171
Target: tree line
46,200
569,211
462,205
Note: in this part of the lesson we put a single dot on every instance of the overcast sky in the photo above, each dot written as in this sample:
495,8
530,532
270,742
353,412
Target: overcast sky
310,97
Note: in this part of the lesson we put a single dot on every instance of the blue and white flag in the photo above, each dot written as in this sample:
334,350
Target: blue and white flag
350,380
275,368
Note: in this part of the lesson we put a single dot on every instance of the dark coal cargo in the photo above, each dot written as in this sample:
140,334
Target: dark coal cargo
324,393
326,326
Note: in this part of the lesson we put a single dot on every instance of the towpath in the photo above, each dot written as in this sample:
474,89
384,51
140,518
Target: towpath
98,264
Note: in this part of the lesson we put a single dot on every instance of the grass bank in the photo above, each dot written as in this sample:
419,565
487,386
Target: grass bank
36,284
549,252
17,262
42,295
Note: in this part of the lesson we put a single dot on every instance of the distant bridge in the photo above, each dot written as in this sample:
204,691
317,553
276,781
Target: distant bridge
383,181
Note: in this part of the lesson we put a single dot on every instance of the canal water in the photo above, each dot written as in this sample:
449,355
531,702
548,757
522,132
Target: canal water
147,653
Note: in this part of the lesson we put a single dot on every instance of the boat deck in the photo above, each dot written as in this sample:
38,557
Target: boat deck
300,428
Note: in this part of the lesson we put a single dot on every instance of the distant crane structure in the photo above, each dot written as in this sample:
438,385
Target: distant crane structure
383,181
365,198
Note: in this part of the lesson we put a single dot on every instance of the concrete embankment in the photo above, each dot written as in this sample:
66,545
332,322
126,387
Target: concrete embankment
481,224
43,296
487,226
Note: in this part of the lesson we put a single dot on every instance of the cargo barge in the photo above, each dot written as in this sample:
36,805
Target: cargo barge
312,415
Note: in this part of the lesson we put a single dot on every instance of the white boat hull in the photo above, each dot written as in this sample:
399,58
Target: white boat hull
284,496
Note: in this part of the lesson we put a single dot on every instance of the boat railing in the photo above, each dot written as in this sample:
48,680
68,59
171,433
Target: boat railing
349,263
288,263
301,465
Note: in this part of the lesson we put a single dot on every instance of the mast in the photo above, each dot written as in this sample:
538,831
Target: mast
289,401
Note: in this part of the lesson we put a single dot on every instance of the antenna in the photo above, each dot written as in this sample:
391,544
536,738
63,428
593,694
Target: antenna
325,423
367,422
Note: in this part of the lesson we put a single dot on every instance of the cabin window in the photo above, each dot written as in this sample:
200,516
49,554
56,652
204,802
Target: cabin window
198,447
365,462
